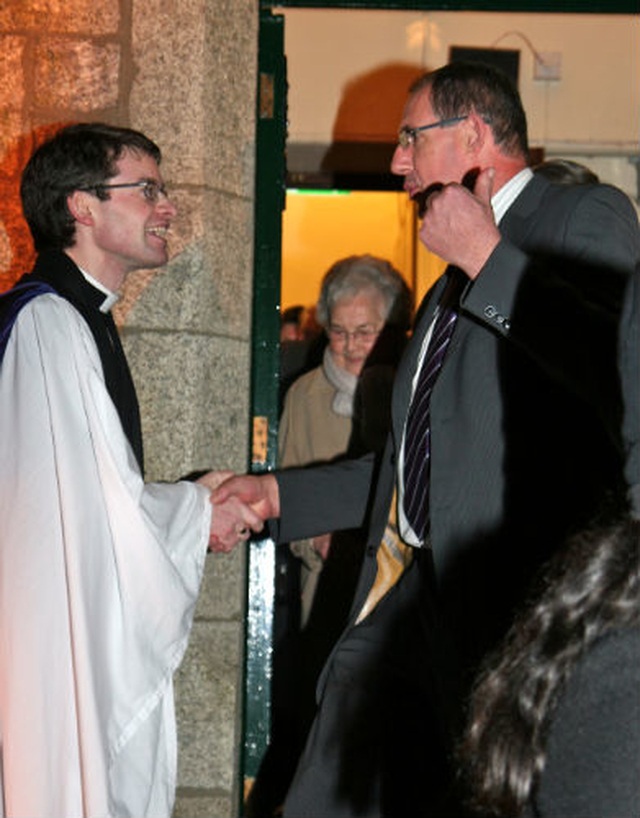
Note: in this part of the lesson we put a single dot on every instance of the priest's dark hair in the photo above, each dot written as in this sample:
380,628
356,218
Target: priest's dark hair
77,156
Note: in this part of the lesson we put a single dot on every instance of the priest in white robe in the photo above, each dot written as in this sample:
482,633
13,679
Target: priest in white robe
99,572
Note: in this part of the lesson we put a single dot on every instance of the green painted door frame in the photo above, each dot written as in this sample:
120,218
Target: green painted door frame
270,198
269,204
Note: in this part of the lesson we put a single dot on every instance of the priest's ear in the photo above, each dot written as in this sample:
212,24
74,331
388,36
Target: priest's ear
81,205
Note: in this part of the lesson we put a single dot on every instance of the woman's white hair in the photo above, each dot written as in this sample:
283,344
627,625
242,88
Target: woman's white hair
353,275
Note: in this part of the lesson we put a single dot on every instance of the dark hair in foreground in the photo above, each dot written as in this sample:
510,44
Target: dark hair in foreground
588,589
459,88
78,156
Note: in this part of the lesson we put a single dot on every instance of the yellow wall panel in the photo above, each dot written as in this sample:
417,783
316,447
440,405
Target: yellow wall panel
321,227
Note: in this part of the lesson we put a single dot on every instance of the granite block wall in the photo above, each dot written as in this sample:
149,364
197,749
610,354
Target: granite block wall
184,72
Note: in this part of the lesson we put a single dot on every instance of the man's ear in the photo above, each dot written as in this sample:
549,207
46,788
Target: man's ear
475,132
81,204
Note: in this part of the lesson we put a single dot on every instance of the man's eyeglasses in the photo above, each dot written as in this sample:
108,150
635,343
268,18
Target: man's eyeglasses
360,335
407,136
151,190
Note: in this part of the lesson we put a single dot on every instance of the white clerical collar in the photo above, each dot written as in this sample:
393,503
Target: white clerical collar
110,299
509,192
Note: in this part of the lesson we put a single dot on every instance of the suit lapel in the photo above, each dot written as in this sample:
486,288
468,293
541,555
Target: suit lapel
517,222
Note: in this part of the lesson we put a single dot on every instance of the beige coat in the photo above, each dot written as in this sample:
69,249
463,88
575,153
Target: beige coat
310,432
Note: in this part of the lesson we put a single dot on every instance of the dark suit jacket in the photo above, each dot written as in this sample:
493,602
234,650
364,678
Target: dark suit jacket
525,414
593,764
629,362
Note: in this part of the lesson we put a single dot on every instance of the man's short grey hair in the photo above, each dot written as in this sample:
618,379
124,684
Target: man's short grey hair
353,275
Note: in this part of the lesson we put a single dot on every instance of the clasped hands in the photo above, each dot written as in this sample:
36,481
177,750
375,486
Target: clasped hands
241,504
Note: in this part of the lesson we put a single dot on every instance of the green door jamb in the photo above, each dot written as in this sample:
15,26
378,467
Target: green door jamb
269,204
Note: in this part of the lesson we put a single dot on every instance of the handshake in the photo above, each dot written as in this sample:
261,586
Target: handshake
241,504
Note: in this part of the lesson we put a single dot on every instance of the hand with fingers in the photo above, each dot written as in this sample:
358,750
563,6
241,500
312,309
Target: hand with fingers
232,522
241,504
258,491
459,225
232,518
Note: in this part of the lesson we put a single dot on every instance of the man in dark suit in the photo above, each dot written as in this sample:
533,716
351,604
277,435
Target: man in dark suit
517,443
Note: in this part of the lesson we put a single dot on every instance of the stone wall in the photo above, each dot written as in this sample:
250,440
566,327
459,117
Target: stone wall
183,71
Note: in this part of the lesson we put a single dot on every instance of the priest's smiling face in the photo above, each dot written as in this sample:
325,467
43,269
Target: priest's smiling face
127,231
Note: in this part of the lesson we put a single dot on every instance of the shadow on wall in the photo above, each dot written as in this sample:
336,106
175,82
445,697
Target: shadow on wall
369,112
17,253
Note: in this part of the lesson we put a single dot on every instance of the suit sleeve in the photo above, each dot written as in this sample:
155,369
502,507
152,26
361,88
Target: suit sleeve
323,498
558,293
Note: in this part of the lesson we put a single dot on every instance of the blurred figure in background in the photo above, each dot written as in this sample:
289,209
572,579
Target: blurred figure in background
566,172
291,324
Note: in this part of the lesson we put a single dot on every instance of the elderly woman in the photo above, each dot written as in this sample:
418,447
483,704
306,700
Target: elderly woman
360,297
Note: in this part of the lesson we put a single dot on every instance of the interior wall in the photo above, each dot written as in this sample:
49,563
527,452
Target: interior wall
320,227
594,104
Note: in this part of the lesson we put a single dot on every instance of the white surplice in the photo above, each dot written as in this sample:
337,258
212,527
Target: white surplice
99,575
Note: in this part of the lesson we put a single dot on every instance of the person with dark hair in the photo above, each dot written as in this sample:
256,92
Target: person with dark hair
505,438
82,157
99,572
291,324
566,172
554,722
461,90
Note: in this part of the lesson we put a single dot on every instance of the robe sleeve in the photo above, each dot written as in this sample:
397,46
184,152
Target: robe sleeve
99,575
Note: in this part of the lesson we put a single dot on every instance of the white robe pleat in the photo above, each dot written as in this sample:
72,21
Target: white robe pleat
99,575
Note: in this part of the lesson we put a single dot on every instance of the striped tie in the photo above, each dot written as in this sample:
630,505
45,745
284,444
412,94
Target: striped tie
417,446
